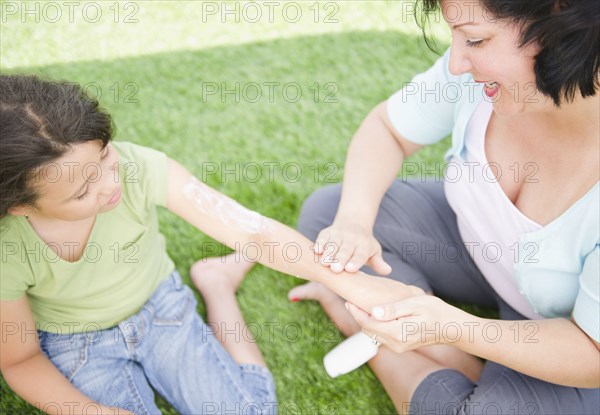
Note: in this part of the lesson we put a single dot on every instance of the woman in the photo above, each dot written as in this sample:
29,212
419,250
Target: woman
514,227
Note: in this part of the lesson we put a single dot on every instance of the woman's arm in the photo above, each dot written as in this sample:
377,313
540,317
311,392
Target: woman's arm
279,246
554,350
374,158
29,372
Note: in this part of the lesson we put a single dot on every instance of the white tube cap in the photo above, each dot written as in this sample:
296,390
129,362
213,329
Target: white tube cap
350,354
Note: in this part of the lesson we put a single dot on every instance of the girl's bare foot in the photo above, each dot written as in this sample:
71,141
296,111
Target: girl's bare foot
217,279
219,274
331,303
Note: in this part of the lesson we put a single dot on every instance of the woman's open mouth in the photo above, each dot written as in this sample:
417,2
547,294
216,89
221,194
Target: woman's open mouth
491,88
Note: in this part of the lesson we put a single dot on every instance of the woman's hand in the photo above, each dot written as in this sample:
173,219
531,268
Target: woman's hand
346,246
411,323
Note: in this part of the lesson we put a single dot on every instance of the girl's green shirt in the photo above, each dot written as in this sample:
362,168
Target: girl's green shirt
124,260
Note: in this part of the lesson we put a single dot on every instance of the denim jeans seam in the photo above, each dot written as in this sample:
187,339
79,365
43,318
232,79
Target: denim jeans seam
83,359
134,391
177,280
266,376
225,368
254,368
178,320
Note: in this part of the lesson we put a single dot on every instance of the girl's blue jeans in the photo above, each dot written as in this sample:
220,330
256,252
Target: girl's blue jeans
166,347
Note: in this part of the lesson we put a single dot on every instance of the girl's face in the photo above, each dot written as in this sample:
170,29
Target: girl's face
487,48
79,185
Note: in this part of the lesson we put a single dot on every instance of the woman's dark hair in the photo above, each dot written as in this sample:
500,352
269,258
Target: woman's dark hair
567,31
39,122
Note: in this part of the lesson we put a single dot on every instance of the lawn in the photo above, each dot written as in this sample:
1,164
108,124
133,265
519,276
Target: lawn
263,110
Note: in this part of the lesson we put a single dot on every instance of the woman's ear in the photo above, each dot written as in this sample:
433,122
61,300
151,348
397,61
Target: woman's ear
560,5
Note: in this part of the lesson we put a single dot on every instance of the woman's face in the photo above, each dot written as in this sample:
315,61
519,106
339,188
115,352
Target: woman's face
487,48
80,184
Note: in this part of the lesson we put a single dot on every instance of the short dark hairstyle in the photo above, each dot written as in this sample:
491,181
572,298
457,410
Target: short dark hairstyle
39,122
567,31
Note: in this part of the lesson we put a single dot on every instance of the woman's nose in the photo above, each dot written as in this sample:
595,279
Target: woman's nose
459,62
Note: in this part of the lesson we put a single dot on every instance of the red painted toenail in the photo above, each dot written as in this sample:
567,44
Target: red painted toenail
294,299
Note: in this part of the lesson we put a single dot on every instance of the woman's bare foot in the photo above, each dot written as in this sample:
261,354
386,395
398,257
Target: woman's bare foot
332,303
219,274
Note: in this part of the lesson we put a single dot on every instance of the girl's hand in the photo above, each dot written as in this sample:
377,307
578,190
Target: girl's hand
411,323
346,246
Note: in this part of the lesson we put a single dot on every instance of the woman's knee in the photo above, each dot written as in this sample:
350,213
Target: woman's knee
500,390
442,392
319,210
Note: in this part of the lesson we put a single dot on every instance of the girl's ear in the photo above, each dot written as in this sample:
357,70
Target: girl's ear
20,210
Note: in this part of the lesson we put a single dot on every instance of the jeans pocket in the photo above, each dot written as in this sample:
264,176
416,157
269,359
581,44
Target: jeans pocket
174,306
69,353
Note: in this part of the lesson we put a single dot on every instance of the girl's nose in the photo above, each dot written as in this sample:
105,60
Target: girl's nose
111,174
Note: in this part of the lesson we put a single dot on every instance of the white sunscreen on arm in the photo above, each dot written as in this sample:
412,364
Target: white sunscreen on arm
226,210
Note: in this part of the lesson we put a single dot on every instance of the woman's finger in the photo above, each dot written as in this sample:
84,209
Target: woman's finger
358,259
364,319
322,239
358,314
379,265
382,329
329,251
344,254
398,309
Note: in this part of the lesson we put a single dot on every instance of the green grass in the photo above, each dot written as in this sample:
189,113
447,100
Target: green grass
163,64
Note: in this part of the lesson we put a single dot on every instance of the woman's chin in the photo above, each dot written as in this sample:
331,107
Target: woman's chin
502,107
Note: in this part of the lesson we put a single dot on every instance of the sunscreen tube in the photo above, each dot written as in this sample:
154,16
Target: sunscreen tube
350,354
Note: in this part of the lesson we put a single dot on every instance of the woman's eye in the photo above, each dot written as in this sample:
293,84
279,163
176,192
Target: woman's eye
474,43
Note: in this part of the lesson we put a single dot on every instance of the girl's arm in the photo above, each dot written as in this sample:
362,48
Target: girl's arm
30,373
554,350
279,246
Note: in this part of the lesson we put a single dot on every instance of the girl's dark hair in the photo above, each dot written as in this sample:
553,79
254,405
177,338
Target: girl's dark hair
567,31
39,122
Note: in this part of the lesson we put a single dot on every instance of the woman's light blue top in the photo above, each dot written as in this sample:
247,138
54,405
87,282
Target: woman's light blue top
562,278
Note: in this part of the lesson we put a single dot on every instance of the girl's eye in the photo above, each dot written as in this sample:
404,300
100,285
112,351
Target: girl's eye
474,43
82,196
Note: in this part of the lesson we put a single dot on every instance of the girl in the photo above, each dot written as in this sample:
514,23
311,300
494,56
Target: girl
92,311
